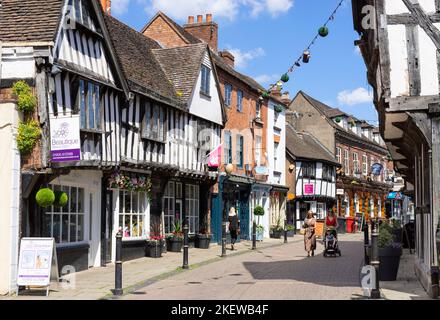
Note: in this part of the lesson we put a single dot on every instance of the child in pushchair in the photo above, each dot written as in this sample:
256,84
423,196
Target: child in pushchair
331,243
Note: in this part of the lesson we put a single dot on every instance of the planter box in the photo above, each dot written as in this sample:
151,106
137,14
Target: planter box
153,250
202,241
276,234
389,259
291,234
174,244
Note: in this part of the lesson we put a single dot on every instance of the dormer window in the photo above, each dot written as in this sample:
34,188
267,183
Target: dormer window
206,80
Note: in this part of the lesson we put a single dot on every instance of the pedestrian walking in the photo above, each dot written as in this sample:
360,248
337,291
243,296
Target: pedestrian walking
309,235
331,222
234,226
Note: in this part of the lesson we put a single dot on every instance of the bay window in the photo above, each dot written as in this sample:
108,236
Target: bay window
132,211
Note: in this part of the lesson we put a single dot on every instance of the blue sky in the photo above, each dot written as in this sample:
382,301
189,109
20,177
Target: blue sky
267,36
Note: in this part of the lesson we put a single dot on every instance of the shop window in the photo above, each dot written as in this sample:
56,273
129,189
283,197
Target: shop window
66,225
309,170
192,207
168,206
132,210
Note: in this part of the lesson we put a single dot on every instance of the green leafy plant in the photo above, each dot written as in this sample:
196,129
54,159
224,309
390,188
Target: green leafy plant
290,227
260,228
259,211
177,231
278,109
385,238
28,135
45,197
61,199
26,100
277,226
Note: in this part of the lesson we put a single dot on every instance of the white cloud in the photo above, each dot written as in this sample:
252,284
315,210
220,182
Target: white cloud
182,9
120,6
357,51
276,7
227,9
243,58
354,97
266,78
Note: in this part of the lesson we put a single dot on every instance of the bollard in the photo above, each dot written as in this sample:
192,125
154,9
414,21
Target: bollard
118,265
375,293
254,236
285,231
185,244
366,244
223,239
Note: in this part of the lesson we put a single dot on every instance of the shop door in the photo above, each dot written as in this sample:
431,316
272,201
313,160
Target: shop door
106,228
244,217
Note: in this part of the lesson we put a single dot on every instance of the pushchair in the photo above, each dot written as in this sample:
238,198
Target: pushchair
331,247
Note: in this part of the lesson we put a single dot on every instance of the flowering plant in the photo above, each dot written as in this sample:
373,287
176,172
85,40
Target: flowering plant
177,233
119,180
155,240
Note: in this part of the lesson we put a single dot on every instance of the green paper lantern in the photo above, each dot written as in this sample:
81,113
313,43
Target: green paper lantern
323,31
278,109
338,119
285,77
45,197
61,199
259,211
265,94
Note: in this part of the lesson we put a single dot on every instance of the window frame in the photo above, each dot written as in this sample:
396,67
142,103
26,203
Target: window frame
122,204
228,94
339,155
240,97
240,151
347,161
206,80
308,170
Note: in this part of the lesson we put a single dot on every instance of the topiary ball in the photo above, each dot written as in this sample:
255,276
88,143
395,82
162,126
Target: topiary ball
45,197
323,31
61,199
259,211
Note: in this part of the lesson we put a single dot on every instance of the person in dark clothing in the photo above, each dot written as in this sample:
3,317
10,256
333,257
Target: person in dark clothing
234,226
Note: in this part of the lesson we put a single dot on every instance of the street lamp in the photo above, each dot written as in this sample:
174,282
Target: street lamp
228,169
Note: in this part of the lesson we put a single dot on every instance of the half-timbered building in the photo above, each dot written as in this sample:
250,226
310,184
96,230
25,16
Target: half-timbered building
400,41
125,125
311,176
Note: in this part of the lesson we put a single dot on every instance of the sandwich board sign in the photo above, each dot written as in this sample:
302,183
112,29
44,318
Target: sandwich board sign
38,263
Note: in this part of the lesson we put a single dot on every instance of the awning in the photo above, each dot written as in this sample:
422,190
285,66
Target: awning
395,196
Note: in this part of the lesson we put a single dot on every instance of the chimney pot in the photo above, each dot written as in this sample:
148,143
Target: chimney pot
199,18
190,19
209,17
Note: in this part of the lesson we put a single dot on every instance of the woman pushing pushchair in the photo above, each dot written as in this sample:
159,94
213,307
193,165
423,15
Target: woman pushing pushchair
331,235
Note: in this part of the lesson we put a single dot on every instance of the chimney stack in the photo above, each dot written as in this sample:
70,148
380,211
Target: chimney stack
228,58
207,31
285,98
106,6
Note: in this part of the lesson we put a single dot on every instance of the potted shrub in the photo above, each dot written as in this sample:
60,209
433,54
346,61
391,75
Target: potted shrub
175,239
276,230
153,247
260,233
203,238
290,230
259,212
389,255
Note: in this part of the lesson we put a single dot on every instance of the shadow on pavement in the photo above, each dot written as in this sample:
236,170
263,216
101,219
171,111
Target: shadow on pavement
341,271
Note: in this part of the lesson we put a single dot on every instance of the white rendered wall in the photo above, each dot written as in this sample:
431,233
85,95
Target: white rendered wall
202,106
17,63
280,122
399,61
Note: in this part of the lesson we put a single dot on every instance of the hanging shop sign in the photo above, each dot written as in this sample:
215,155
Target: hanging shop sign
309,189
340,192
260,170
37,263
376,169
65,143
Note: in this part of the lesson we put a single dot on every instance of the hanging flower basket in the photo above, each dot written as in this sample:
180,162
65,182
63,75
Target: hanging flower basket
265,95
285,77
323,31
278,109
45,197
123,181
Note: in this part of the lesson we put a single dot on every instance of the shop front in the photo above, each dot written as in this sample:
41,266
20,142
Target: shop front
260,196
233,191
319,206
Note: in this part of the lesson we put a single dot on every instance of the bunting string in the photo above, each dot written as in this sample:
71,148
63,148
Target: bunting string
305,56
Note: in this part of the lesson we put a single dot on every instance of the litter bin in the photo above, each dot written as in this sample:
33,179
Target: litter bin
350,224
341,227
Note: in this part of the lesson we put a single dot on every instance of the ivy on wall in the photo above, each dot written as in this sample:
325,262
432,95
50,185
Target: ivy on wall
28,131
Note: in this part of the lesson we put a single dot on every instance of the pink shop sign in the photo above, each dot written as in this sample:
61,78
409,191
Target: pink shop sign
309,189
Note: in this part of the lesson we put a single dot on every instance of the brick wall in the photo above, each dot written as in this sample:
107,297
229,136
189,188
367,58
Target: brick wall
206,31
162,32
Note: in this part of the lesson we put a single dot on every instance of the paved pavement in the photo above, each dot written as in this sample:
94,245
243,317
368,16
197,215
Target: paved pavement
407,286
97,283
278,273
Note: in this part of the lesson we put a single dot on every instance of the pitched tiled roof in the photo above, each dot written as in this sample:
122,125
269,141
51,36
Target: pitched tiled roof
134,52
328,111
29,20
182,66
303,145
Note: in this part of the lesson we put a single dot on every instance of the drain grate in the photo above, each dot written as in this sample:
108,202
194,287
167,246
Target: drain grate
250,282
